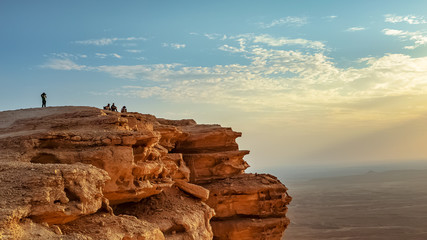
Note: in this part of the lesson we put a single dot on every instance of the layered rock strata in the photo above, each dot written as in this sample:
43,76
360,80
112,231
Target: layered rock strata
86,173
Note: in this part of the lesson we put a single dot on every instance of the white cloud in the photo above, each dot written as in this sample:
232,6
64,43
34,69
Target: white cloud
105,55
241,48
133,50
332,17
116,55
418,38
101,55
174,45
107,41
155,72
63,64
411,19
177,45
274,79
293,21
355,29
276,42
213,36
64,55
393,32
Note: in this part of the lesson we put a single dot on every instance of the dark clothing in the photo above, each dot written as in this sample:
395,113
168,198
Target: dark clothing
113,108
44,96
124,110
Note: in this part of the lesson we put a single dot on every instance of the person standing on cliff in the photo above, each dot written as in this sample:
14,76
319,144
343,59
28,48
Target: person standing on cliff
44,96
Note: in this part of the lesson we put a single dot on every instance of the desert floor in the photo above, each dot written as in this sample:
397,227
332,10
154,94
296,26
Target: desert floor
388,205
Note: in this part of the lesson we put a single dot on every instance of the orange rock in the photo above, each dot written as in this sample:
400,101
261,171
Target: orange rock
193,189
58,165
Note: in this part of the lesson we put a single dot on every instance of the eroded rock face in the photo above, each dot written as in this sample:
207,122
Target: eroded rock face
249,206
106,226
52,193
179,216
64,166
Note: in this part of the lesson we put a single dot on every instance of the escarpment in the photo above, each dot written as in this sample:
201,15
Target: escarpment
86,173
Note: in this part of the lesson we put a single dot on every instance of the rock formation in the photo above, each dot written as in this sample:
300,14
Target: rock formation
86,173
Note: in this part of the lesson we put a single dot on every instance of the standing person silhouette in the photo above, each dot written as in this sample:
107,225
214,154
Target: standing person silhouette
44,96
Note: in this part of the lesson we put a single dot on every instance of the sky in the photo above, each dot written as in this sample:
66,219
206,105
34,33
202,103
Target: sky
309,83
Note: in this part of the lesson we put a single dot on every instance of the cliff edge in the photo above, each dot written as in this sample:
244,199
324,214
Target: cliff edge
87,173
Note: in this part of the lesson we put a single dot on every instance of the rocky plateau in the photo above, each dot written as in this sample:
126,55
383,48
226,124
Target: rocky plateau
86,173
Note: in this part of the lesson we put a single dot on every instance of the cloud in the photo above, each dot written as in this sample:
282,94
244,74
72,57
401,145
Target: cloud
276,42
292,21
355,29
133,50
116,55
332,17
64,55
105,55
418,38
108,41
241,48
63,64
411,19
213,36
155,72
174,45
274,80
101,55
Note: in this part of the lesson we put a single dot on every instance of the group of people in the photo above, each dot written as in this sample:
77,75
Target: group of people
114,108
108,107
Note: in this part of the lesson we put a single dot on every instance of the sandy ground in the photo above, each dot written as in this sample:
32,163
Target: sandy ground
390,205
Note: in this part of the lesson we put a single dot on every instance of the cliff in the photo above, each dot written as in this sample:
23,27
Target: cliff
86,173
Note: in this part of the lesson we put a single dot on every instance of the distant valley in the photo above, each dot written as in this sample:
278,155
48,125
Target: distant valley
388,205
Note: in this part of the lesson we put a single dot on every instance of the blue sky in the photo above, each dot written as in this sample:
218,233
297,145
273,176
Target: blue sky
298,78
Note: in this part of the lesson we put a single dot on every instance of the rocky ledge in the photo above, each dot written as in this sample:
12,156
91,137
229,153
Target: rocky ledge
86,173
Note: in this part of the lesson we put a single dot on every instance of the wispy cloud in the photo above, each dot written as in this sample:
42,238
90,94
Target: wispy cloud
274,80
64,55
108,41
411,19
252,40
213,36
116,55
174,45
279,75
281,41
105,55
418,38
292,21
331,17
133,50
355,29
63,64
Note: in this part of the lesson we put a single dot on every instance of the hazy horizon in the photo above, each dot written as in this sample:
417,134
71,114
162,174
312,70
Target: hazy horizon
310,84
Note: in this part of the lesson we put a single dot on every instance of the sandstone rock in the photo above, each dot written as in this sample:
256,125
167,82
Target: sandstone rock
113,227
126,146
207,138
206,167
177,216
237,200
49,193
63,165
193,189
246,194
